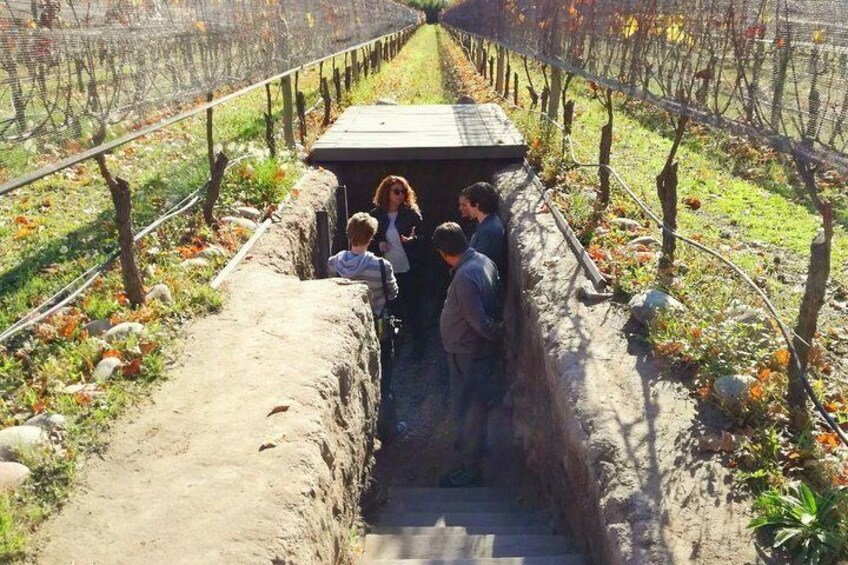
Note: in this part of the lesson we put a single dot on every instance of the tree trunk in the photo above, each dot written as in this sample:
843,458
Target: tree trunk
568,117
122,200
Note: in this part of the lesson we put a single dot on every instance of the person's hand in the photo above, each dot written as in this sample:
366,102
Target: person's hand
385,246
404,239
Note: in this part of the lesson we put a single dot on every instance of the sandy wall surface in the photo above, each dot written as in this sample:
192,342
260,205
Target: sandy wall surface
613,442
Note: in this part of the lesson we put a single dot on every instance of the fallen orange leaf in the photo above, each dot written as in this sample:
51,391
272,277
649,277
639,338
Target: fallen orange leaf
132,368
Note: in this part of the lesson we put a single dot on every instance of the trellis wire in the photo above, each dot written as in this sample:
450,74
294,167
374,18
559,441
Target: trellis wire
772,311
775,69
68,67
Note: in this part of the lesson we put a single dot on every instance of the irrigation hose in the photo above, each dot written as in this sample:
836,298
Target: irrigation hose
727,262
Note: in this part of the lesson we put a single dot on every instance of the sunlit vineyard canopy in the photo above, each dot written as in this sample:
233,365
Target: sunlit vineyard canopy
68,66
774,68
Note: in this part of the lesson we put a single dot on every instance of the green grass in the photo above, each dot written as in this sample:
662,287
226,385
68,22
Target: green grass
414,77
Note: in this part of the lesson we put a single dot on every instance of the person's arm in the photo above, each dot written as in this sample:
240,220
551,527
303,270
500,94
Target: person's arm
471,304
391,282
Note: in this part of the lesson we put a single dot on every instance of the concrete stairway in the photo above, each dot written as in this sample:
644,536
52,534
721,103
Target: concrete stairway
473,526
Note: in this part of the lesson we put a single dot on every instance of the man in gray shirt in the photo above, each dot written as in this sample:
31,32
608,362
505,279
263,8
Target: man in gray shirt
471,336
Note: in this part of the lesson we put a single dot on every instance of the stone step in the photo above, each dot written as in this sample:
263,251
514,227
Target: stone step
564,559
479,494
536,530
462,546
402,505
476,519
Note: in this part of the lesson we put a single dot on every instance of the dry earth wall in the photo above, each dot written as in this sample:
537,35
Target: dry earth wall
614,444
291,245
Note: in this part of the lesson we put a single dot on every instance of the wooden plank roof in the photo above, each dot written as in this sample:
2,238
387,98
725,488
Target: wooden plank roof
424,132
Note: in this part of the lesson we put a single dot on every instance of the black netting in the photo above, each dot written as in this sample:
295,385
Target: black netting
776,68
68,66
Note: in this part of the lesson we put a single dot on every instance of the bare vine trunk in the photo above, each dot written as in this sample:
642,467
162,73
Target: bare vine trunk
667,192
605,153
214,189
122,200
813,300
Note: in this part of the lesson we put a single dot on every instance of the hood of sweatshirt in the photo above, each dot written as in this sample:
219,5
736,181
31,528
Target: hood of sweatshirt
349,264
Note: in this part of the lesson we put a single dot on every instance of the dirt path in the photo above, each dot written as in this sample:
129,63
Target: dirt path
185,480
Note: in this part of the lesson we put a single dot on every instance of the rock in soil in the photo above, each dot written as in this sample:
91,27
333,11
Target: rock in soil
645,306
646,240
47,421
160,292
249,212
213,251
96,328
20,437
106,368
626,224
198,262
240,222
123,331
12,474
734,389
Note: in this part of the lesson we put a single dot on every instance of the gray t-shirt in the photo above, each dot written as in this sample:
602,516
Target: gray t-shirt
469,322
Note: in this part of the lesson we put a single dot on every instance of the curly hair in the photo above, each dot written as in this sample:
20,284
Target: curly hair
381,195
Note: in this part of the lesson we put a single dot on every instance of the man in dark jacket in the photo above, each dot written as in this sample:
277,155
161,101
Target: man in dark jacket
480,202
470,333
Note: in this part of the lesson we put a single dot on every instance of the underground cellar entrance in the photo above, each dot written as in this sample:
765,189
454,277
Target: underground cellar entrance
440,150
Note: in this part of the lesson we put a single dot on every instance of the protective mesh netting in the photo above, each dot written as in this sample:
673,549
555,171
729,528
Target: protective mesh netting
66,66
775,68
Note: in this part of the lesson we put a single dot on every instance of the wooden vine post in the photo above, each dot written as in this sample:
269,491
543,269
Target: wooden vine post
515,88
301,115
269,123
378,61
337,83
121,194
354,64
554,94
210,140
667,193
501,64
288,111
491,70
328,101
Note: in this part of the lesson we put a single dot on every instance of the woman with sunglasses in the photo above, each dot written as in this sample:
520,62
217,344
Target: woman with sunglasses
399,241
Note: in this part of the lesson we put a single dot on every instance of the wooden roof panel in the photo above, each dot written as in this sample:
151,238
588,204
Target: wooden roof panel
425,132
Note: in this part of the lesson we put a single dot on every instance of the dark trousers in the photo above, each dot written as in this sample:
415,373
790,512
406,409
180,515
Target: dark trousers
473,388
387,418
408,305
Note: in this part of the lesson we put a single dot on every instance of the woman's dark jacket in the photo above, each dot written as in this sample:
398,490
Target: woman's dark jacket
406,220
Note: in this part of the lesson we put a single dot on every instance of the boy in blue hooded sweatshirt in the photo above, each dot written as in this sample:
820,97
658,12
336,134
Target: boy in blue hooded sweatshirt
359,264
